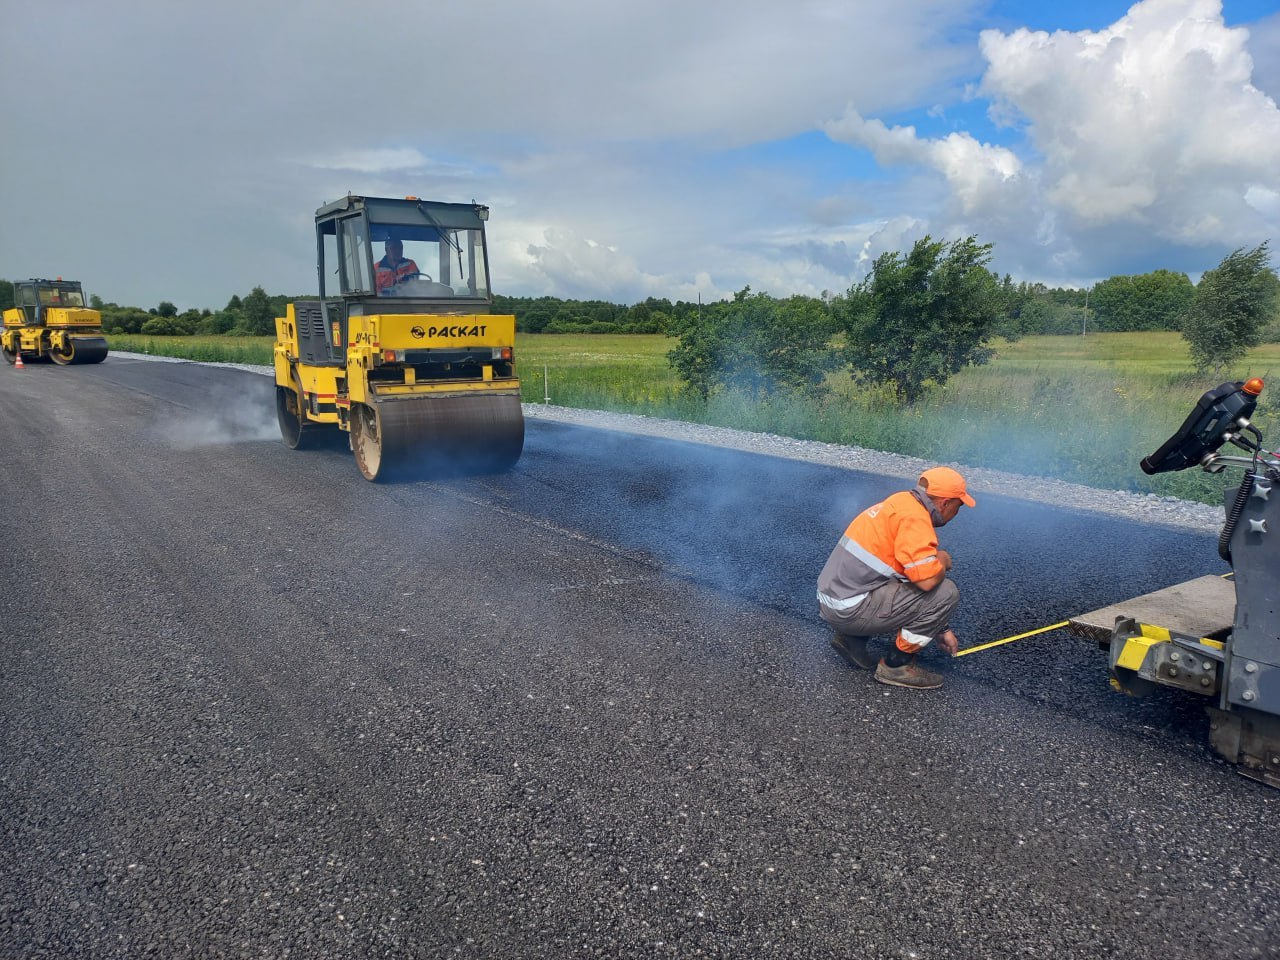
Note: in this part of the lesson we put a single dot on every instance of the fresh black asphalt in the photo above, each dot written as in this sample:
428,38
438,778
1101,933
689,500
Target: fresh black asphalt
254,706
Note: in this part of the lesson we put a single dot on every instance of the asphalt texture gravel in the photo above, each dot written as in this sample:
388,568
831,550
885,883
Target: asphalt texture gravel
254,706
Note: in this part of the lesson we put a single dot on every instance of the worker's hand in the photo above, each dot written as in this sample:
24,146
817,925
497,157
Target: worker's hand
948,641
945,559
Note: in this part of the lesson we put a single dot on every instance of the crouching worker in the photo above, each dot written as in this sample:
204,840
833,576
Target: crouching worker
887,575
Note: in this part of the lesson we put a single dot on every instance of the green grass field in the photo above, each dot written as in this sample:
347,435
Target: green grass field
1082,409
213,349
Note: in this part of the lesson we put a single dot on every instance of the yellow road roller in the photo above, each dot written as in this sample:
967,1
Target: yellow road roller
400,350
49,320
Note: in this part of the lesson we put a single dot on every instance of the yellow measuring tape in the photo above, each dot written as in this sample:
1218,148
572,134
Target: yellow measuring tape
1030,633
1021,636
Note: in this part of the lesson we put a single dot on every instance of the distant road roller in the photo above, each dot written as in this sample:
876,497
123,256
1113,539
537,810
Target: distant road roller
49,320
401,351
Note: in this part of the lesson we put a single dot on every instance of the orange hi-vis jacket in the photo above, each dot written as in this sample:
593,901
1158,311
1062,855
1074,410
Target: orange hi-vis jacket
894,540
389,276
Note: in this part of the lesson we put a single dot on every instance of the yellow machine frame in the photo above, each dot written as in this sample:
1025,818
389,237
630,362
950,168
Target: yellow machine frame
379,343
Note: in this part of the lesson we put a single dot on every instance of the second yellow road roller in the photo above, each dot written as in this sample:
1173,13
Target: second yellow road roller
400,350
49,320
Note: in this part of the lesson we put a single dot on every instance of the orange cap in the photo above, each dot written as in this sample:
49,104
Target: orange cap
945,482
1253,386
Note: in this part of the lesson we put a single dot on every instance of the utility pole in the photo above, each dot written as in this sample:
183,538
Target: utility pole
1084,321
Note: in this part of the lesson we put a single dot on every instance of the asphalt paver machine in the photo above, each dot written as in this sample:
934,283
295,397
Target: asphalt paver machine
1215,637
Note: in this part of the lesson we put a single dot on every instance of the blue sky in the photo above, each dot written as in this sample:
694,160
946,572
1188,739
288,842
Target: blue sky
633,149
1098,14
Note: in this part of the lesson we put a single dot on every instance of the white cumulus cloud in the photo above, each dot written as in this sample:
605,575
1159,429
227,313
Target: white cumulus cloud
559,260
1142,141
976,172
1153,121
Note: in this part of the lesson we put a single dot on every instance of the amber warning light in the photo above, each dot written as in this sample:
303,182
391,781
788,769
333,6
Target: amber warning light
1253,386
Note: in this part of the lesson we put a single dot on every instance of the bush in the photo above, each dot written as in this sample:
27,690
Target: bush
1046,317
1233,304
582,325
217,323
755,345
124,319
919,318
164,327
1271,332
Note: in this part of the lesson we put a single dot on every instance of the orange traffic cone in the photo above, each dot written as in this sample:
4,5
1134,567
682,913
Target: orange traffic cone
17,361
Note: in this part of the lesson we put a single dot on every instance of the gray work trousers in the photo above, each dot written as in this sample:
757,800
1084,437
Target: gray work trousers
898,606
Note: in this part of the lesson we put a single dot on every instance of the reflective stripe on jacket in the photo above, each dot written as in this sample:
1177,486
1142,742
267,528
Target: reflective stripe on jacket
893,540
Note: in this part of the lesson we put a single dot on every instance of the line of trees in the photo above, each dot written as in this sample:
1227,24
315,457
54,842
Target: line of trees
1160,300
919,318
554,315
1157,300
915,320
252,315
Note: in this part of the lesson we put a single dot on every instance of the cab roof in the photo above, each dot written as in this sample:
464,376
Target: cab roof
408,210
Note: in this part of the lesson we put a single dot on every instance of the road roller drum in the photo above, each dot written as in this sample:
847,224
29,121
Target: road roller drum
437,436
79,350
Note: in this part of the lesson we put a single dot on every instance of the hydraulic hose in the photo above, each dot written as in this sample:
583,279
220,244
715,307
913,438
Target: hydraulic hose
1233,515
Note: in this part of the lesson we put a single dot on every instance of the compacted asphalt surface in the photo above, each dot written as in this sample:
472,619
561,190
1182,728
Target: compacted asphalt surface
255,706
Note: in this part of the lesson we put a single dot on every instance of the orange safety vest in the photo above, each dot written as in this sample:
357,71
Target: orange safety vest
893,540
388,276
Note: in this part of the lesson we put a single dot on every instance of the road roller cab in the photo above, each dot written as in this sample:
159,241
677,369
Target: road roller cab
49,320
401,350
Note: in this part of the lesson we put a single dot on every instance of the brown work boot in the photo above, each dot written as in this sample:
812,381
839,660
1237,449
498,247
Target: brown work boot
854,651
910,674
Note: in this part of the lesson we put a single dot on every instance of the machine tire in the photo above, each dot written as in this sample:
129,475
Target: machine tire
293,426
9,356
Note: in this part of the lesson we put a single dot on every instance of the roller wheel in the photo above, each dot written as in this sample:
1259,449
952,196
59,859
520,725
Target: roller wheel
293,426
437,436
366,441
80,350
9,356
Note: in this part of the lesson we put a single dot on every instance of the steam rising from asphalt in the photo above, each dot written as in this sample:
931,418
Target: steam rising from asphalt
223,418
760,528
